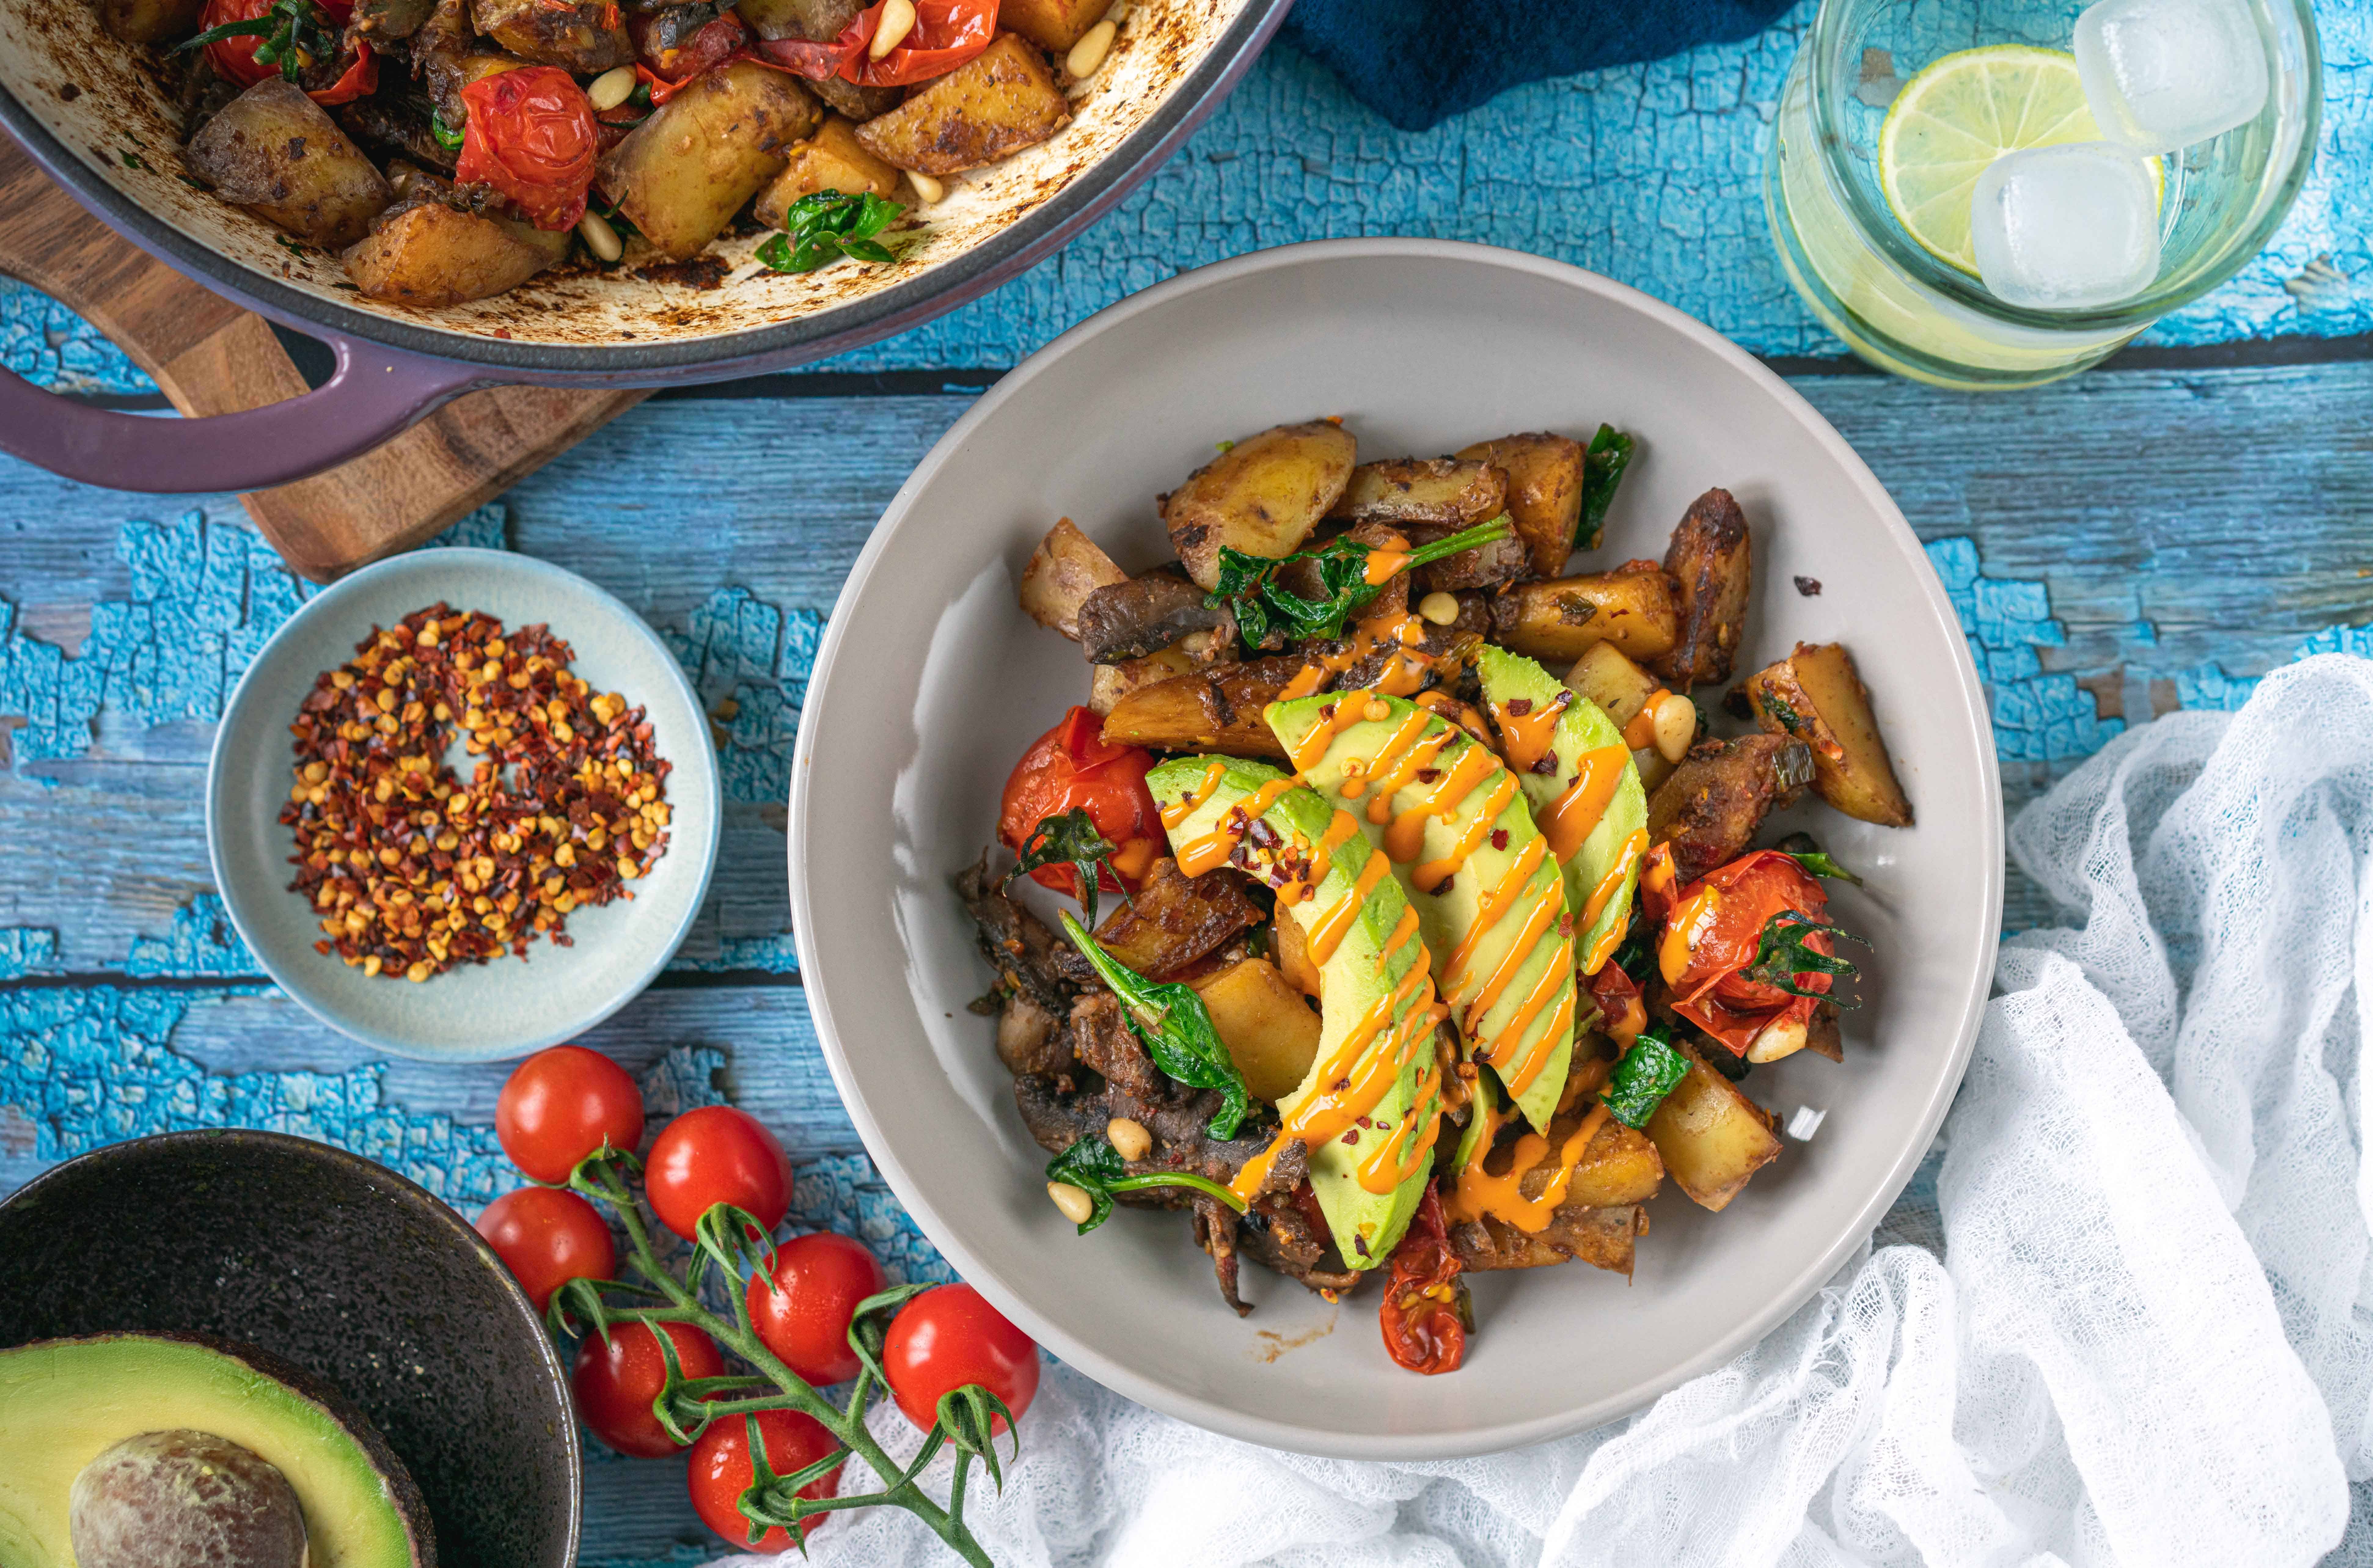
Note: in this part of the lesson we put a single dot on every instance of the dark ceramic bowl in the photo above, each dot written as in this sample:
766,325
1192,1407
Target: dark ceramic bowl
341,1267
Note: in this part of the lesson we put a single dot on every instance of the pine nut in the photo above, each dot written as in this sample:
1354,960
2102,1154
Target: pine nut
1075,1203
1677,727
1784,1036
1129,1139
1089,53
1438,607
599,238
611,88
897,21
930,191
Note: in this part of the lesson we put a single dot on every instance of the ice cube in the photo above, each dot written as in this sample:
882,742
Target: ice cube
2160,75
2066,227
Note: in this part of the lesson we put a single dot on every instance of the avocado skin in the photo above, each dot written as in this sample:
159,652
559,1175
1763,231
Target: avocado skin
408,1510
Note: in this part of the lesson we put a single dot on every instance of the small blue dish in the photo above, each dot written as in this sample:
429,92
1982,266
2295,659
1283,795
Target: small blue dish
508,1006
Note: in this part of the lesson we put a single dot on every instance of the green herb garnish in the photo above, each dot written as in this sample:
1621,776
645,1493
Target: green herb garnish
1800,847
1788,718
296,33
1096,1168
447,137
1177,1028
1071,839
1603,463
1264,607
820,228
1649,1071
1781,955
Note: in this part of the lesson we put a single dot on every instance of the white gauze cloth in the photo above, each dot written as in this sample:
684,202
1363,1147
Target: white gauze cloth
2147,1342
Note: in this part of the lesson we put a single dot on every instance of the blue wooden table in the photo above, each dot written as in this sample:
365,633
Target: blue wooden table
2152,535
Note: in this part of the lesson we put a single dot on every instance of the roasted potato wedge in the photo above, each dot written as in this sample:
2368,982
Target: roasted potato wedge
1710,809
1053,25
1634,607
1600,1237
832,159
682,174
1544,475
1001,100
150,21
278,154
429,255
1410,489
1065,568
1262,496
1293,960
1620,1166
1175,920
1270,1031
1710,561
1622,688
1218,708
1711,1136
583,36
1817,695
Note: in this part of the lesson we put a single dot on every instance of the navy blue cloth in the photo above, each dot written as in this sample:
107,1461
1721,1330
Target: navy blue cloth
1418,62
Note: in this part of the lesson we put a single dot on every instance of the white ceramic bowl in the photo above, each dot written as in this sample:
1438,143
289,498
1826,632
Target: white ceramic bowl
931,681
471,1012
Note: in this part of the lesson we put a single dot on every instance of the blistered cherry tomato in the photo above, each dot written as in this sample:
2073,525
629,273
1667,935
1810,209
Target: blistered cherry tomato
531,134
561,1105
1423,1328
721,1471
234,58
1713,933
617,1380
1072,766
949,1337
717,1154
946,33
546,1236
803,1306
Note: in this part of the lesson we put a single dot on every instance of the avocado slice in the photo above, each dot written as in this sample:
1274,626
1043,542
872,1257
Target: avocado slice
1486,840
1603,853
1366,968
64,1402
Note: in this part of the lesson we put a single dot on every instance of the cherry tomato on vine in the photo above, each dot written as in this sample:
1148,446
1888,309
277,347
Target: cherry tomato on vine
531,134
803,1306
1425,1329
617,1380
1070,767
721,1471
717,1154
949,1337
545,1237
563,1104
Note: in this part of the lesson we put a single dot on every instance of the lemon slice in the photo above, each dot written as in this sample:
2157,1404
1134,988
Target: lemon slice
1962,113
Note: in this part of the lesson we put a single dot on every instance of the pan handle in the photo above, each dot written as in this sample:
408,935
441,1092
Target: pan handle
375,393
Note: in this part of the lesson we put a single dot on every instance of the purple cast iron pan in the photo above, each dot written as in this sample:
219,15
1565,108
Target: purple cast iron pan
84,106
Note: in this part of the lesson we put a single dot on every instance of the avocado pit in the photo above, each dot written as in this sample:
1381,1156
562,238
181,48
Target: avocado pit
184,1499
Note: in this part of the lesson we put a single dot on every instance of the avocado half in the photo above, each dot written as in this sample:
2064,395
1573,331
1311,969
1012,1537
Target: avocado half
64,1402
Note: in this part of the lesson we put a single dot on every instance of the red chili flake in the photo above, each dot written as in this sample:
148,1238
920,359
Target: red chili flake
1499,839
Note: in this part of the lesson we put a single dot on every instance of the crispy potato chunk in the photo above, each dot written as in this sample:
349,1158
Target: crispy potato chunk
584,35
1269,1031
682,174
1053,25
1544,475
1293,958
431,254
1711,564
1817,695
1065,568
150,21
1620,1166
1634,607
1001,100
1600,1237
1711,1136
1710,809
832,159
1174,920
1408,489
278,154
1263,496
1214,709
1605,677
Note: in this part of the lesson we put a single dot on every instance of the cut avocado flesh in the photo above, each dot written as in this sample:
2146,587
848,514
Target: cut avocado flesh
1353,978
1484,838
64,1402
1583,728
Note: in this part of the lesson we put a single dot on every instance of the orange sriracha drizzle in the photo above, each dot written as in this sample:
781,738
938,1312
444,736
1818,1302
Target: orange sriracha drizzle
1212,850
1207,786
1328,931
1433,874
1608,886
1403,754
1544,909
1556,981
1641,732
1528,736
1492,905
1478,1192
1406,836
1574,814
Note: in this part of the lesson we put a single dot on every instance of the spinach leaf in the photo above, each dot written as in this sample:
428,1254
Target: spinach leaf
1800,847
1268,614
1603,463
1176,1029
1649,1071
1096,1168
821,228
1070,839
1781,955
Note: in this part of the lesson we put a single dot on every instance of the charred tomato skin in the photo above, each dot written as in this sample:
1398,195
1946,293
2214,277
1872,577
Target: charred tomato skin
1070,767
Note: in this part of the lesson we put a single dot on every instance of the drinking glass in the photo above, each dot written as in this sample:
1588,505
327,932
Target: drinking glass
1907,312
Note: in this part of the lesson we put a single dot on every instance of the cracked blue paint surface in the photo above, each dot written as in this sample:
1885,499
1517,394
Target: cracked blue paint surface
1648,174
202,942
2036,717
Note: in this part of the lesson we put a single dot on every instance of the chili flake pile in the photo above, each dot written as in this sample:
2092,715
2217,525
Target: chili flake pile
412,871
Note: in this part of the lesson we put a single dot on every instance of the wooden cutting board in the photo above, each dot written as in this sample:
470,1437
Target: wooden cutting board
210,357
